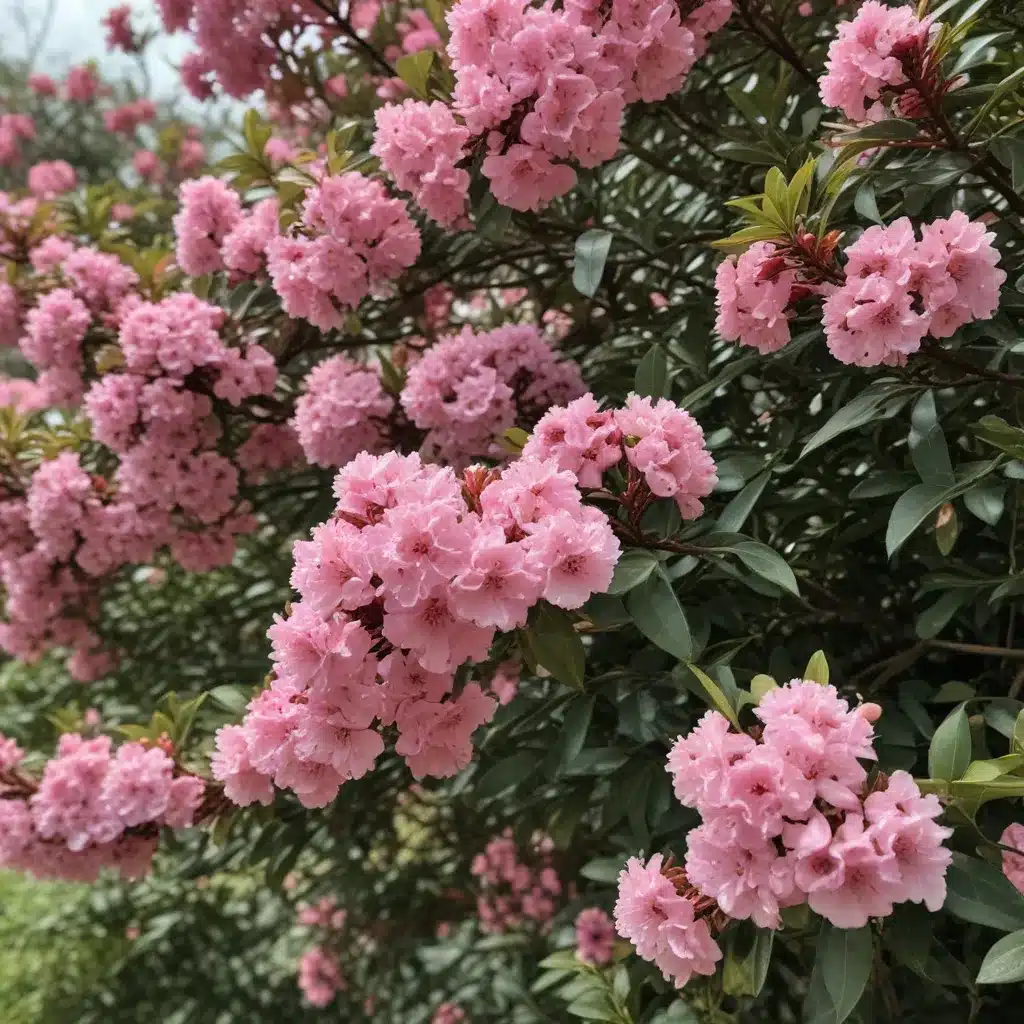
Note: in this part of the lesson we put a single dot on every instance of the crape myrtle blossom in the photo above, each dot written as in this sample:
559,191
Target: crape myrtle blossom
595,936
517,889
867,59
411,578
352,239
791,817
319,977
469,388
91,808
660,443
892,291
538,89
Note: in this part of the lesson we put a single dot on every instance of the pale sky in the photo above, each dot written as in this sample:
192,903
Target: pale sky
76,35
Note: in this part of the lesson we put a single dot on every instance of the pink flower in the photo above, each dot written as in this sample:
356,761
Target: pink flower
344,411
42,85
230,764
595,936
469,388
661,924
209,211
361,240
319,977
666,444
753,298
525,178
52,178
864,60
1013,863
420,145
578,437
81,84
872,320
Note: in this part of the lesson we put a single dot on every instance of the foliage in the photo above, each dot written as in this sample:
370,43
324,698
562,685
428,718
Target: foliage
864,532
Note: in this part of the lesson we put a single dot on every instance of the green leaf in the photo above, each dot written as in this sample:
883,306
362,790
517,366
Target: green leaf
934,619
916,505
866,205
765,562
1009,84
231,698
633,567
553,642
1004,962
657,613
817,669
987,501
716,695
979,892
846,955
950,751
877,401
1017,740
575,726
1010,152
592,249
414,70
760,685
747,960
997,432
928,444
506,773
652,379
735,514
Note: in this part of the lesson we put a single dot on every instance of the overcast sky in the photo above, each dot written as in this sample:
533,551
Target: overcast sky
75,35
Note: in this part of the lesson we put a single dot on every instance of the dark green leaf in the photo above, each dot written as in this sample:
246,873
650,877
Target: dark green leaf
1004,962
846,955
633,567
592,249
553,642
659,616
979,892
950,751
652,380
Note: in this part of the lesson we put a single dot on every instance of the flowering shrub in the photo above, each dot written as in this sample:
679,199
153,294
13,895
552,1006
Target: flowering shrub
427,485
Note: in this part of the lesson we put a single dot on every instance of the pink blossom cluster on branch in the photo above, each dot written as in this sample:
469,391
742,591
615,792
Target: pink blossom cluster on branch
538,88
409,580
893,291
92,808
661,445
457,400
448,1013
320,977
789,816
595,936
869,59
516,890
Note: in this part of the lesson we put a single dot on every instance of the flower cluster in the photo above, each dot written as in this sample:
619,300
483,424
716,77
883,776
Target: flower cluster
595,936
92,808
666,926
898,290
237,40
343,412
790,817
158,416
208,212
319,977
120,34
129,117
754,295
448,1013
471,387
22,395
893,291
537,88
408,580
97,290
514,891
353,239
866,59
14,129
51,178
1013,863
662,445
